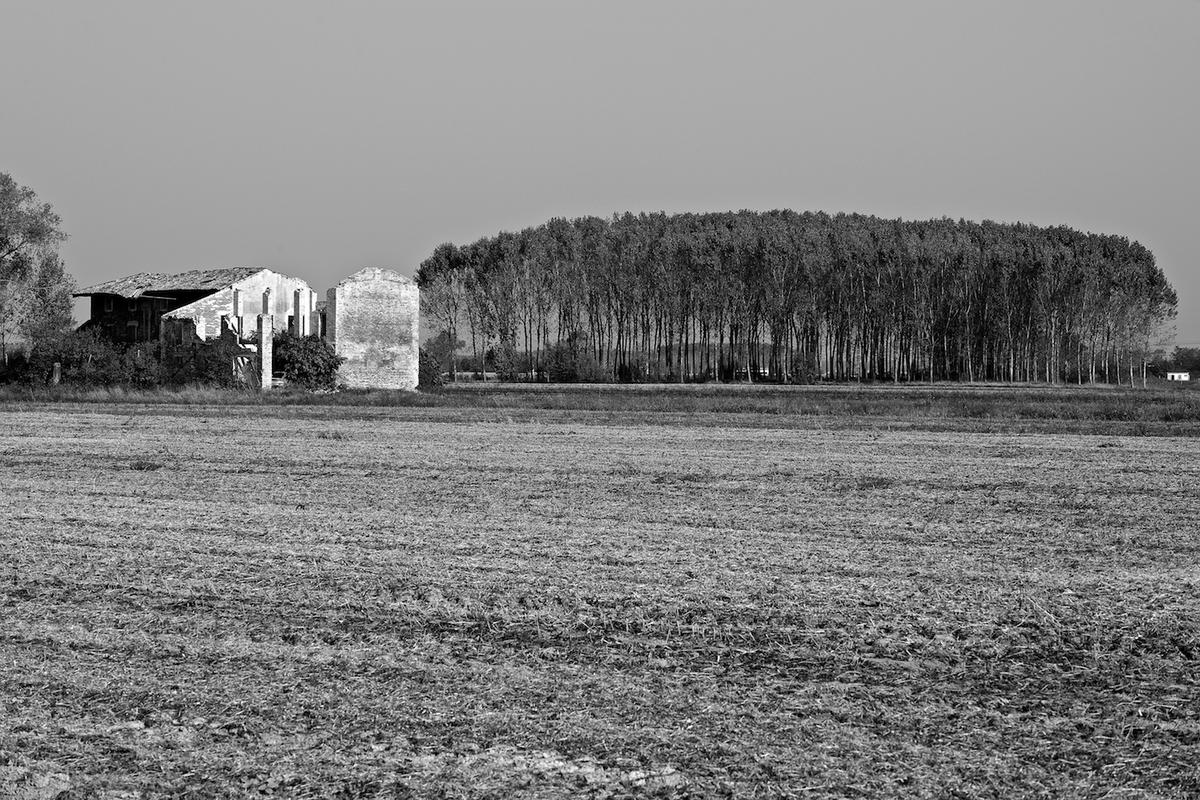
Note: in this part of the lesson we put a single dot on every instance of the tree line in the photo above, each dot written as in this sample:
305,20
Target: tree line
796,297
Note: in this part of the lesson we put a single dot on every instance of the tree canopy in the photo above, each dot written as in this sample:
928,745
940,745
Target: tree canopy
790,296
35,291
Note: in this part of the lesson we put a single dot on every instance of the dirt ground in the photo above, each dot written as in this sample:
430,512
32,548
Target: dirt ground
370,602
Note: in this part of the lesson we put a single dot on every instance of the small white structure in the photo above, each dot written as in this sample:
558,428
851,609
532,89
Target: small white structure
1179,376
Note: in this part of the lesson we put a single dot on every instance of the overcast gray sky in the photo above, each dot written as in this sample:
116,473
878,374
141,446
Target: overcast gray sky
318,138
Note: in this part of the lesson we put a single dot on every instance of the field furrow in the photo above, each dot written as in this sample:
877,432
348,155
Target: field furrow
212,603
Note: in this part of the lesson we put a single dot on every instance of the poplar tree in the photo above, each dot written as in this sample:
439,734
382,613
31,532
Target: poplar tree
791,297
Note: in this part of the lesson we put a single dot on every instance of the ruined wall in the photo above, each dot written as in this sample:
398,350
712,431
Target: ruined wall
372,320
290,299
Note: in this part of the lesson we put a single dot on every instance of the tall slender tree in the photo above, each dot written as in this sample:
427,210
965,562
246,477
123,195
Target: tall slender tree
788,296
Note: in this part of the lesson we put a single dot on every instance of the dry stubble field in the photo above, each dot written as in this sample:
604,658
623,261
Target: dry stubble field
320,601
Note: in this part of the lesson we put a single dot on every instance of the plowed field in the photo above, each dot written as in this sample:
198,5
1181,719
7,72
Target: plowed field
272,600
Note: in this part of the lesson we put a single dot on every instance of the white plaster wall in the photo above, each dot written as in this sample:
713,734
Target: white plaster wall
372,318
208,311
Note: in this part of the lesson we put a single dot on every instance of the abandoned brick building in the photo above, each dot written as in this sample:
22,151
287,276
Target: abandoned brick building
370,318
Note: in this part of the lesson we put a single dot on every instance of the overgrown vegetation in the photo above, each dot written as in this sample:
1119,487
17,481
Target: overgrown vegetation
572,361
86,359
429,371
439,353
308,362
565,608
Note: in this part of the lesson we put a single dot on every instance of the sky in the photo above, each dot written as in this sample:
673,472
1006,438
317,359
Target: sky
317,138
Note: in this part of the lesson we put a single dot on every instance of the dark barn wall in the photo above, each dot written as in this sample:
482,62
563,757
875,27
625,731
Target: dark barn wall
125,319
135,319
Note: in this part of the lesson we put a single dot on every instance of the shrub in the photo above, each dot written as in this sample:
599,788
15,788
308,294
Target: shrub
442,348
142,366
633,371
503,358
306,361
572,361
212,364
13,366
86,359
429,371
804,369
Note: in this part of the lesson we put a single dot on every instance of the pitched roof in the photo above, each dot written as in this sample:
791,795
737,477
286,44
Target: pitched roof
376,274
196,280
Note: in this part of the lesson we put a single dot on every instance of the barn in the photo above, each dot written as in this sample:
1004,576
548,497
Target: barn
370,318
141,307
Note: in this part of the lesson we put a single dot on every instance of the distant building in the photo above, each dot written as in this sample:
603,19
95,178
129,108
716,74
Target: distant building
136,308
1179,376
372,320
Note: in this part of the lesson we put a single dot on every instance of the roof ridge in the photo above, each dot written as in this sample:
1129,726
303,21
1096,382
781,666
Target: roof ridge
200,279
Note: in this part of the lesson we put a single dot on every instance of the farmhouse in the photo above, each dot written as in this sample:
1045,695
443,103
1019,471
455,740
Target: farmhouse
370,318
1179,376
